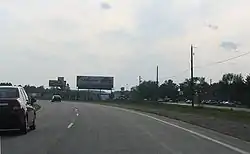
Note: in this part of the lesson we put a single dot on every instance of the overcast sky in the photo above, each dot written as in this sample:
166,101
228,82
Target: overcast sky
43,39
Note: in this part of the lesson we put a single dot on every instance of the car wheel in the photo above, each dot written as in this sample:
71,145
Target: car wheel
24,127
33,126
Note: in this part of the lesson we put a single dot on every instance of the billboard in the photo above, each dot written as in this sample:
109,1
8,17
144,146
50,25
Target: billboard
95,82
54,83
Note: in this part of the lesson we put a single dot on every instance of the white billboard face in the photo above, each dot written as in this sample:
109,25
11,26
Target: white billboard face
95,82
54,83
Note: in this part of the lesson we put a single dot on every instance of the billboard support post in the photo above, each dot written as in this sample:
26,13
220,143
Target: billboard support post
100,94
78,94
88,95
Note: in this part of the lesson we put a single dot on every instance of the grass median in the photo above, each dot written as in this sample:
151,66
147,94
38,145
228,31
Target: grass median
227,121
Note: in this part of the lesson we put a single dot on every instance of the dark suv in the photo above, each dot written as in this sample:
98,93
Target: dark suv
56,98
16,111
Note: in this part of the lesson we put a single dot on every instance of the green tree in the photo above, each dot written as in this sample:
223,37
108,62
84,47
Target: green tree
231,87
237,88
185,88
246,100
6,84
168,89
148,90
34,89
201,87
134,94
228,78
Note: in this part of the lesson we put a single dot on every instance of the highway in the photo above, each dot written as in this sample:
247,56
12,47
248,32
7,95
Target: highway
85,128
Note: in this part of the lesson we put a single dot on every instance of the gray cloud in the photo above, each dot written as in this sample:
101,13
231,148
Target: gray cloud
69,38
213,27
231,46
160,21
105,5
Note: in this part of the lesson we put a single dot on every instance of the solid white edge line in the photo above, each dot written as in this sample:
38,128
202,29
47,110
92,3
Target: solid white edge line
70,125
185,129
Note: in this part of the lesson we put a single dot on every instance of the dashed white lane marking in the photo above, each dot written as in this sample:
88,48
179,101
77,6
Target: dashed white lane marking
185,129
77,114
76,110
70,125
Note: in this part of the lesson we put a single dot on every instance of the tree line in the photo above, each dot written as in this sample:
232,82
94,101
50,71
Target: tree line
231,87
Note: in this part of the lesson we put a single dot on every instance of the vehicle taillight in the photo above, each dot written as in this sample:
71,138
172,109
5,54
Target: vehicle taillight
16,108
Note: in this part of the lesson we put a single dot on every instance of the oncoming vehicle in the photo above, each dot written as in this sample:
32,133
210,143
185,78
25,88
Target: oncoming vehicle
16,111
56,98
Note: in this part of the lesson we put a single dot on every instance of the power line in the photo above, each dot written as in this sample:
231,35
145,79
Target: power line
223,61
209,64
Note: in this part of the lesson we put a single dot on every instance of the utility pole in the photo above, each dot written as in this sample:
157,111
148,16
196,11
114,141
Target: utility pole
157,76
157,82
192,74
210,82
140,80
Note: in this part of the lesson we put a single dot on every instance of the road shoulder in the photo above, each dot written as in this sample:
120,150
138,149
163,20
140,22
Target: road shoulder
225,140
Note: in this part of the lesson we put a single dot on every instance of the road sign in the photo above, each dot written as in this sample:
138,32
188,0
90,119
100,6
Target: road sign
95,82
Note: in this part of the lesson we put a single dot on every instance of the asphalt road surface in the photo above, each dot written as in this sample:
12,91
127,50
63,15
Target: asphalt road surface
84,128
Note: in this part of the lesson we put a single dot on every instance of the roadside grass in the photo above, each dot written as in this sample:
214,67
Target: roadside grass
166,109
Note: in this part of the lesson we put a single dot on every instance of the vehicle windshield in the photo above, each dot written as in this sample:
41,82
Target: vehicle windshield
9,93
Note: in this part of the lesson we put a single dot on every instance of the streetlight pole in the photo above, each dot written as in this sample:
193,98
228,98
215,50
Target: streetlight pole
157,76
140,80
157,83
192,74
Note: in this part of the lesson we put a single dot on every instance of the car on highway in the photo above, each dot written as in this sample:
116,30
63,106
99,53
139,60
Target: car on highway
56,98
188,101
227,103
16,110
